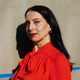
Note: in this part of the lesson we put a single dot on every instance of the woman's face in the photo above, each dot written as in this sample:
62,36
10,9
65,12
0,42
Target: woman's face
36,27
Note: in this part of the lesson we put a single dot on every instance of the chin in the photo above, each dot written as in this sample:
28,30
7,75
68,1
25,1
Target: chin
35,41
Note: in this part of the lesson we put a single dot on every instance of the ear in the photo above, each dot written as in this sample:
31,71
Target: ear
49,27
50,30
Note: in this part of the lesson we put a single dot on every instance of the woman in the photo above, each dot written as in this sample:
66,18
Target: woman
48,59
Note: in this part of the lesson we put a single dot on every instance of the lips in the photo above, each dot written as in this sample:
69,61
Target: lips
33,34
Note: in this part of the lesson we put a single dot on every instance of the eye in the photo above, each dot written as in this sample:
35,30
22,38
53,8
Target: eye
27,23
36,22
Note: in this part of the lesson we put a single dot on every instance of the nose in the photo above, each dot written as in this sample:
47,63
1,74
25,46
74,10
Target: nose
31,26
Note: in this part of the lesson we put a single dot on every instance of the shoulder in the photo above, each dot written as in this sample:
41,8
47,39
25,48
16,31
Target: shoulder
57,57
61,61
60,67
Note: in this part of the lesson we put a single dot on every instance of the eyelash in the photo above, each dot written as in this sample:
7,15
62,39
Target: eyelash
36,22
28,23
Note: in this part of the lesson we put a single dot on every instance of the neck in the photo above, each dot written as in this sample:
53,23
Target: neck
39,44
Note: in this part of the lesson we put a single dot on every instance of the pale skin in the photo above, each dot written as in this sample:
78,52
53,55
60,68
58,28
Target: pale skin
37,29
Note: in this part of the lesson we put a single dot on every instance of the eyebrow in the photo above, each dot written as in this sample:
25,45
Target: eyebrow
26,21
33,19
36,19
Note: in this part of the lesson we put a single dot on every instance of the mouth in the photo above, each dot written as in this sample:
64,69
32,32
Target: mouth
33,34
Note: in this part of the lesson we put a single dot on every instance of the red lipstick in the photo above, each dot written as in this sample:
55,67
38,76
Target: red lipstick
33,34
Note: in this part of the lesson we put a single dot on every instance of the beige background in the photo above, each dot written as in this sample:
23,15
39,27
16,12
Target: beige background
12,13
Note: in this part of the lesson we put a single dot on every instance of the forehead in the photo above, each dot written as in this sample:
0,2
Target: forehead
33,14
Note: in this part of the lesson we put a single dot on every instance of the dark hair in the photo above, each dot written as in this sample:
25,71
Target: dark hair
56,38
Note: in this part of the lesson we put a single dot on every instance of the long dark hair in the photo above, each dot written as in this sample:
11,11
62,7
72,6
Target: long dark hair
56,38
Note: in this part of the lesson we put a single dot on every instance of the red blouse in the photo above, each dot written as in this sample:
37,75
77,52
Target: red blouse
47,63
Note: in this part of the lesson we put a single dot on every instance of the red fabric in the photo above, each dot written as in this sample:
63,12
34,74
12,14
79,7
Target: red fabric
48,63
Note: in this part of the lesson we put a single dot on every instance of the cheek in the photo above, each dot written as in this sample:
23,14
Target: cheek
43,28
